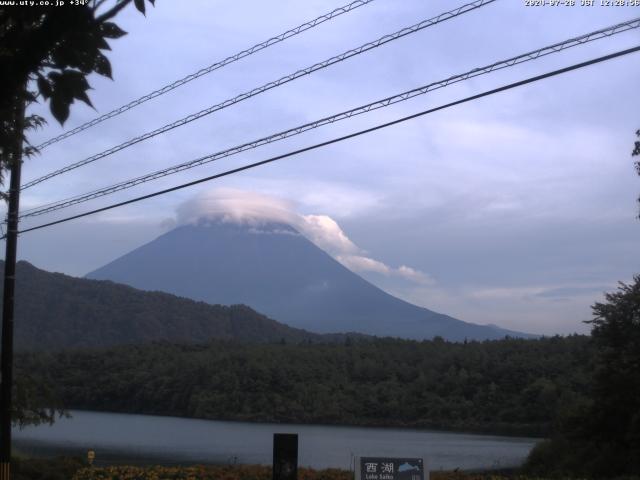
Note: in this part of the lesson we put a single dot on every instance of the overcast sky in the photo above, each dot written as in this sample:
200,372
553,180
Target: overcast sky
518,209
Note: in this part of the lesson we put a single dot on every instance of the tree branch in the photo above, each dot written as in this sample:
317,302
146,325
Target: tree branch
113,11
97,4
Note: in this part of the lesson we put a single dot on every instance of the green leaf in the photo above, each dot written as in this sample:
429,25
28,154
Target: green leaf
82,96
70,82
102,66
59,109
111,30
33,122
81,57
102,44
77,86
66,87
139,5
44,87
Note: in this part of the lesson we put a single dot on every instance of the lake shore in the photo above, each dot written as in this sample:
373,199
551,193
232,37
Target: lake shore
505,430
125,438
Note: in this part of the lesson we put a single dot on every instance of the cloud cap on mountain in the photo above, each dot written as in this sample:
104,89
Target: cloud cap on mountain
257,209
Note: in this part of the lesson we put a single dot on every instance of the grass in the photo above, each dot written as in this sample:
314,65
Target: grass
64,468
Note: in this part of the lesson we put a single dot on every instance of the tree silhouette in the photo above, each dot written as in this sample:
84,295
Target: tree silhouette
47,52
602,437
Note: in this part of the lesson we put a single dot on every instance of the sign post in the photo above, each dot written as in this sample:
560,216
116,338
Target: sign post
388,468
285,456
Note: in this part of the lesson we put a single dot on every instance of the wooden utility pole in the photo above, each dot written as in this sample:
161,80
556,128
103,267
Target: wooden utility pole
6,385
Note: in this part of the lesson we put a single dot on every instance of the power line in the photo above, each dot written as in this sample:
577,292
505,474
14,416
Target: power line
557,47
268,86
342,138
204,71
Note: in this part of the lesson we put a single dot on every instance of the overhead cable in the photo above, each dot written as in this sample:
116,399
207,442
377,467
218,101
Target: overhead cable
268,86
532,55
340,139
204,71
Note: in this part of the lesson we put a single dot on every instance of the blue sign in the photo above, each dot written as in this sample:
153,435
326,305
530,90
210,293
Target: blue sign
385,468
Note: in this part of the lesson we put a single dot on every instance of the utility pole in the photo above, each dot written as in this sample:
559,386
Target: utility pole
6,385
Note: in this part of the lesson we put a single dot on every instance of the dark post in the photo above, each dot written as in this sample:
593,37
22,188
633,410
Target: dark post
285,456
6,386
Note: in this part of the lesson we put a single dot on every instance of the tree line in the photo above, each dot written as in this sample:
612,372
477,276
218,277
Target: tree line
511,386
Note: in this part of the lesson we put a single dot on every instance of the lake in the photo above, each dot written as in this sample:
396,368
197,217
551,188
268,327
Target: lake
119,438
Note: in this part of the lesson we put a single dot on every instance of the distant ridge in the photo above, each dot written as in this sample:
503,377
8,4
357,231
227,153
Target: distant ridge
276,270
56,311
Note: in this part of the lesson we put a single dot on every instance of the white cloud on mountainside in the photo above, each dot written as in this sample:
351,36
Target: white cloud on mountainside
256,209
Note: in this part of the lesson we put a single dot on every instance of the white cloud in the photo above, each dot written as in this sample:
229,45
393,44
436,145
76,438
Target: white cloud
255,209
237,206
360,263
414,275
325,233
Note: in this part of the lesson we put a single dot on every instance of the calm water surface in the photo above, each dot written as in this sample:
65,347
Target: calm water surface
147,438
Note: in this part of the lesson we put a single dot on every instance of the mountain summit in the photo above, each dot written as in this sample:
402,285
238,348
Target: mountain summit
274,269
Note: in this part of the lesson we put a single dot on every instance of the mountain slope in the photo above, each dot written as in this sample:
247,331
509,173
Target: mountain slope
277,271
55,311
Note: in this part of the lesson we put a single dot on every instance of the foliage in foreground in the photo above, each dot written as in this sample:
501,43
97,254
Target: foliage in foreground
602,438
199,472
250,473
75,469
61,468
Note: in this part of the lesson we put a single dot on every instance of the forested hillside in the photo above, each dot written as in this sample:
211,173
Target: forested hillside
507,386
56,311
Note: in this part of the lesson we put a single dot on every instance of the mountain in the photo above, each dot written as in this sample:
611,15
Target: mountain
55,311
277,271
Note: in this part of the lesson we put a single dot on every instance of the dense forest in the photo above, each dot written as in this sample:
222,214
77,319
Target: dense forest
511,386
56,311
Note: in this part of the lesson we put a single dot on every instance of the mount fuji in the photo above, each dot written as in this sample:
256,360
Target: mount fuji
273,268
